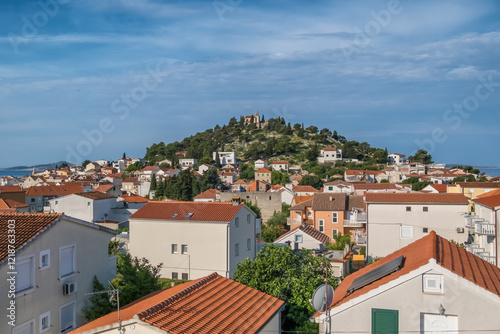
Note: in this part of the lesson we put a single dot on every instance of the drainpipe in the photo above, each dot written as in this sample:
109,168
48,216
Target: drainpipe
496,238
227,250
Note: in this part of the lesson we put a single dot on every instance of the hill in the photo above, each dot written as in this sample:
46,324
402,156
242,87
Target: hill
38,167
274,139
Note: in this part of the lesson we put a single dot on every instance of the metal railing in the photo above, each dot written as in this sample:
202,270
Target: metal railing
484,228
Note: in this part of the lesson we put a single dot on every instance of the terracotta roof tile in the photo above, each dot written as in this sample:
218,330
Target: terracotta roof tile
263,170
213,304
416,198
202,211
96,196
489,193
27,227
329,149
10,189
417,254
479,184
104,188
7,203
280,163
210,193
133,198
370,186
489,201
66,189
303,189
302,205
311,231
442,188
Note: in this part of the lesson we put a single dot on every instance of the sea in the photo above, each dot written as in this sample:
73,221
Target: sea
17,173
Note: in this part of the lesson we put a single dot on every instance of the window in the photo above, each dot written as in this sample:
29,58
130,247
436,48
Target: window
237,249
174,248
385,321
67,316
44,259
426,209
408,208
88,203
425,230
44,322
321,225
57,202
249,244
175,275
237,221
334,217
334,232
32,200
406,232
25,278
248,219
432,283
67,256
309,213
330,188
184,249
26,328
185,277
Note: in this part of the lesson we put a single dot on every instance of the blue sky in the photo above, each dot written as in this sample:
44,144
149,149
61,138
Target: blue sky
134,72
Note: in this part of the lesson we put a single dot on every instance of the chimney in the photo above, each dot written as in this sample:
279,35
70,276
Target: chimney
236,201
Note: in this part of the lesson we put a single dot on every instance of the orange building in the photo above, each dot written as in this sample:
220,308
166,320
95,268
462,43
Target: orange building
331,213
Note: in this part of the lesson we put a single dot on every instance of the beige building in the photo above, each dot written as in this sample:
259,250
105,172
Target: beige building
396,220
55,265
194,239
429,286
211,304
263,174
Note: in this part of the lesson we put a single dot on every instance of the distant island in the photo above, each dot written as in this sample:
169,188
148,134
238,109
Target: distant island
37,167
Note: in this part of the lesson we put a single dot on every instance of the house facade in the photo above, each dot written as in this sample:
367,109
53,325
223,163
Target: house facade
55,265
330,154
176,234
91,207
187,163
38,197
306,237
263,174
280,166
260,164
429,286
225,158
396,220
397,158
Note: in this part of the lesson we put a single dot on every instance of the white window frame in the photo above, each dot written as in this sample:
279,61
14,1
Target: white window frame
30,258
438,279
42,316
74,316
42,254
335,217
321,225
176,275
73,273
299,238
174,249
408,228
23,326
182,249
335,232
236,249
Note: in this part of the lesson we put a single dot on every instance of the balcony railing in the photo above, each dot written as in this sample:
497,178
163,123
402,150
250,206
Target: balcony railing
296,221
484,228
354,223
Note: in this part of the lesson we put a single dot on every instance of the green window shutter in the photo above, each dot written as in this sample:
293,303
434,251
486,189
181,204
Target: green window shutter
385,321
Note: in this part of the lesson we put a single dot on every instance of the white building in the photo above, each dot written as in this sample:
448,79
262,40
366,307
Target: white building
396,220
226,158
55,265
338,186
397,158
429,286
91,207
204,168
194,239
280,165
330,154
187,163
484,225
306,237
260,164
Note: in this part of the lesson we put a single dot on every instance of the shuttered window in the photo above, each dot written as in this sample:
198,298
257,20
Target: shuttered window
67,261
67,318
385,321
25,276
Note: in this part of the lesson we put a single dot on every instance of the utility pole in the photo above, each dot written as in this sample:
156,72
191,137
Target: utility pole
111,292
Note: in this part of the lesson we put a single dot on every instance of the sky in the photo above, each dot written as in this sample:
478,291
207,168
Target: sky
93,79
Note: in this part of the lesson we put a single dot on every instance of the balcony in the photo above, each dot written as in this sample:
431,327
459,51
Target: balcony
295,221
484,228
355,220
354,223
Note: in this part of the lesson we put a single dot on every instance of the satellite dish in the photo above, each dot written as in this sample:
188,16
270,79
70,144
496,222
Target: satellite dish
322,298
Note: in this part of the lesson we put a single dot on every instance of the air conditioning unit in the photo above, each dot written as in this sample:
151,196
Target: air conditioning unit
69,288
460,230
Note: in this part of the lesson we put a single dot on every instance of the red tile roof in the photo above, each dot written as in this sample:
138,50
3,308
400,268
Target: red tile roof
202,211
104,188
300,199
212,304
263,170
447,255
442,188
370,186
66,189
96,196
311,231
132,198
328,149
6,203
489,201
10,189
489,193
354,172
148,168
131,180
416,198
210,193
304,189
280,163
27,227
479,184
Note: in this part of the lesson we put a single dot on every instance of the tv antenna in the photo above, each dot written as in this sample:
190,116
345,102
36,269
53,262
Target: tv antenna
112,293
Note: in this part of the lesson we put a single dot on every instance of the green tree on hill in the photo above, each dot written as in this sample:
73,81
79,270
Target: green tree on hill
421,156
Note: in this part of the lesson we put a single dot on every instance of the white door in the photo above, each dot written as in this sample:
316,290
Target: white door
435,323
